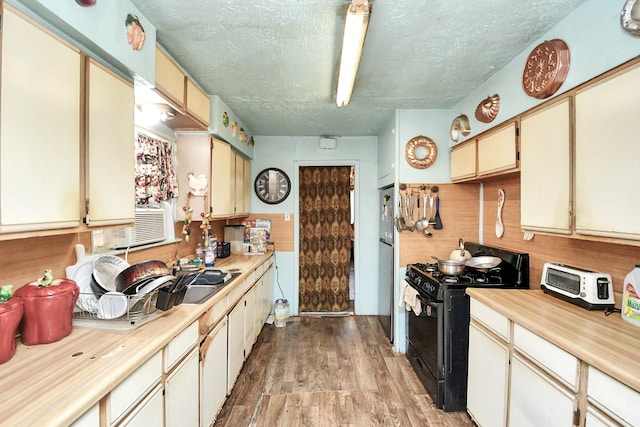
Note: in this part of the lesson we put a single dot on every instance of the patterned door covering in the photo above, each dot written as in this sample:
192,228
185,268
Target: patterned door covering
155,173
325,238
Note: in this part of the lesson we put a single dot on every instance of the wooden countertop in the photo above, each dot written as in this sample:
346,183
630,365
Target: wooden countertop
53,384
606,342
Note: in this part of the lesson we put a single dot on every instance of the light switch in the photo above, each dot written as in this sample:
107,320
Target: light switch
287,217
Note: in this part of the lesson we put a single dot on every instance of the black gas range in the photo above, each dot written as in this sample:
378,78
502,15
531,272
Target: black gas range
438,338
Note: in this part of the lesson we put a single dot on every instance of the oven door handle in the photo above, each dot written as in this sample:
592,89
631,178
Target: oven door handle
429,307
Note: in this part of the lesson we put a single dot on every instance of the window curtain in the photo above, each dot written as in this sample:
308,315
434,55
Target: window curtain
325,238
155,172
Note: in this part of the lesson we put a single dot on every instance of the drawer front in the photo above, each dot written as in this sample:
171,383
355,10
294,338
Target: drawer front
235,295
613,397
134,386
491,319
562,365
595,418
216,313
180,345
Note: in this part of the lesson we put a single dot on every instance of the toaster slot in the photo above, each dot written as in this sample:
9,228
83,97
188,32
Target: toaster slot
603,288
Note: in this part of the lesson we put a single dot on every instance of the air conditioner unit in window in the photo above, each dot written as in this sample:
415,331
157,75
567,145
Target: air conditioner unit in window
150,227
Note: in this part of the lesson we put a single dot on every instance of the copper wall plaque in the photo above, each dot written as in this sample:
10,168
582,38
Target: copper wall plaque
545,69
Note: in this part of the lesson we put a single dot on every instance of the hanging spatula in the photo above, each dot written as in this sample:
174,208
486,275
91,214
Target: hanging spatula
438,220
499,224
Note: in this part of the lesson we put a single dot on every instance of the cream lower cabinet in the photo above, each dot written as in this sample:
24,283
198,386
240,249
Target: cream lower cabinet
235,344
130,394
537,400
613,398
488,373
527,381
91,418
39,128
182,371
487,380
213,373
148,413
250,320
264,294
545,139
181,398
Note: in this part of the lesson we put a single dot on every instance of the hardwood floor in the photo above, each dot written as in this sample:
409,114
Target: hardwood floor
330,371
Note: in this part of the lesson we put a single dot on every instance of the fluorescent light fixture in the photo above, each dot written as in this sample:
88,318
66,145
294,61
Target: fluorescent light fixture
355,30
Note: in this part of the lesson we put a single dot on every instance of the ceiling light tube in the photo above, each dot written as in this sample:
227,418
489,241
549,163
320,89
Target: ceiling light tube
355,30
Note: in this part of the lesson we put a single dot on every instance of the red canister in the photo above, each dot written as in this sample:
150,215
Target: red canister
10,315
48,310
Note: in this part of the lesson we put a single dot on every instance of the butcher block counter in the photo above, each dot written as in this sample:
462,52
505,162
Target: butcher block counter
604,342
53,384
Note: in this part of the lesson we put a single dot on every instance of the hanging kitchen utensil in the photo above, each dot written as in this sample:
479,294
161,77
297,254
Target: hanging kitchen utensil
426,231
438,220
422,222
408,200
397,221
499,225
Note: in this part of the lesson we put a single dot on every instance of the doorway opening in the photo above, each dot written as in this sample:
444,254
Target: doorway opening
326,274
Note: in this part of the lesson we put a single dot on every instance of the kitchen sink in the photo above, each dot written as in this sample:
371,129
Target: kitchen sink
206,285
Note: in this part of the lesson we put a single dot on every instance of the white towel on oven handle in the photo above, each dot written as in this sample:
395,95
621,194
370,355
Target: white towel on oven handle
410,298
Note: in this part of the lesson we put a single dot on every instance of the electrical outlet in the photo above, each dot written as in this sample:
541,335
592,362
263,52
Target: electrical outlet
287,217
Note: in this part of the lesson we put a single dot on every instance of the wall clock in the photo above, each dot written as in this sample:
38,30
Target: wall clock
545,69
272,186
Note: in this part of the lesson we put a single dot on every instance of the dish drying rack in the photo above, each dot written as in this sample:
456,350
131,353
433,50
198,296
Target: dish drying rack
140,309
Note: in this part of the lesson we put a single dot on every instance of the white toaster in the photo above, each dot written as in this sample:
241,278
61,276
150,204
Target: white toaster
586,288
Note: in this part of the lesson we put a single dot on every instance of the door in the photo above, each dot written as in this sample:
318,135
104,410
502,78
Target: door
325,238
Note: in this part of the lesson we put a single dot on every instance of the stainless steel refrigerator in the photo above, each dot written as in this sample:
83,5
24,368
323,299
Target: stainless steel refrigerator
385,261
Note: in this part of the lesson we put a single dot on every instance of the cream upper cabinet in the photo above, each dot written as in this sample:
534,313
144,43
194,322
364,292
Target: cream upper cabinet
221,171
109,148
201,154
39,128
248,186
545,169
193,155
606,157
498,151
493,153
240,185
463,161
170,80
198,104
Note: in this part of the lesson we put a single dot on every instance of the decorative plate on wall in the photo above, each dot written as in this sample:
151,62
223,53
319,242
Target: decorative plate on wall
488,109
459,127
545,69
421,152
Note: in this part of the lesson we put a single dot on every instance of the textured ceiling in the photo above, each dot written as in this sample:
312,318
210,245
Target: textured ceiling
274,62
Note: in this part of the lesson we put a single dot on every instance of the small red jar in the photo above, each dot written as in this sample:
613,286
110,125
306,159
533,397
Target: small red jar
10,315
48,310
